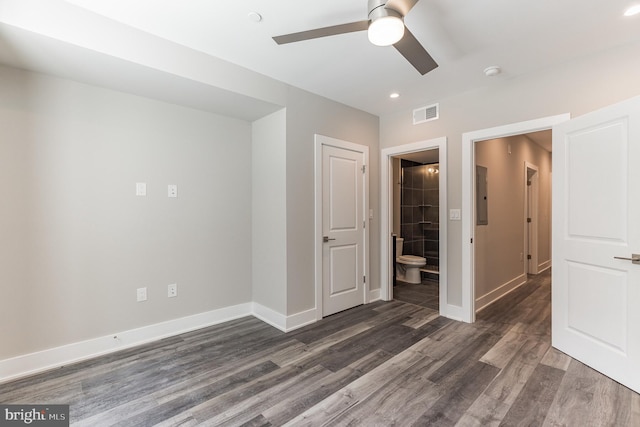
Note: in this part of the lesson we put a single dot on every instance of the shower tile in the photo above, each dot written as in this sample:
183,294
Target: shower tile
407,196
417,213
406,215
416,195
406,231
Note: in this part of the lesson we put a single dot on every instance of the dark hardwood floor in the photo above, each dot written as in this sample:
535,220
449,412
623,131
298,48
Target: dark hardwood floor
426,294
382,364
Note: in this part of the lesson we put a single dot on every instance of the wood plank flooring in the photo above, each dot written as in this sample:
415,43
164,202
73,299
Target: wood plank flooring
426,294
382,364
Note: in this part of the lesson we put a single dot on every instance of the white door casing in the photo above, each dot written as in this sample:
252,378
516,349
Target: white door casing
531,191
596,217
341,219
386,216
466,310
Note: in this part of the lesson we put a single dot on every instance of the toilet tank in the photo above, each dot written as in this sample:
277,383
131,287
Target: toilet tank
399,242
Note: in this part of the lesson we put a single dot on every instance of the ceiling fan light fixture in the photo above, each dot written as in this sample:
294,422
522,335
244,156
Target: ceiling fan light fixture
633,10
386,30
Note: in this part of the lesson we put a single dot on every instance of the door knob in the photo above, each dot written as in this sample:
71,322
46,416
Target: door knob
635,258
326,239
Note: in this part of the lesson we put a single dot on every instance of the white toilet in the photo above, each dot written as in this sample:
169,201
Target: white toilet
408,266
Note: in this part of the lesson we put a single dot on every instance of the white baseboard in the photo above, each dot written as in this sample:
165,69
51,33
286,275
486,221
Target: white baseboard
454,312
499,292
33,363
40,361
301,319
267,315
374,295
544,266
282,322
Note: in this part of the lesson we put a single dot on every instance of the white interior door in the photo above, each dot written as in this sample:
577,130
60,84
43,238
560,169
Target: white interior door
596,218
343,229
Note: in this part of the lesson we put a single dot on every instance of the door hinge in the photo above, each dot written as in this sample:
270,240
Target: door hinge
528,256
528,219
364,168
364,224
364,279
471,240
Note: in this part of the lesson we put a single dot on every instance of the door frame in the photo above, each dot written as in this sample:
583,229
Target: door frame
319,142
386,216
468,308
531,206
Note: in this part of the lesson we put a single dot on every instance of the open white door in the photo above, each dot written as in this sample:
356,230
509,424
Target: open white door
596,218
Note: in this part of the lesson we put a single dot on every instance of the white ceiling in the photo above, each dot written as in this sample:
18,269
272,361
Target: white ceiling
463,36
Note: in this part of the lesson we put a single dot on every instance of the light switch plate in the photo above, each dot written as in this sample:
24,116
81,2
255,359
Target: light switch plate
141,294
172,190
141,188
454,214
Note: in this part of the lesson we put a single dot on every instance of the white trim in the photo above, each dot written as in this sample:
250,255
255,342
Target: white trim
531,239
317,162
468,184
386,215
320,141
270,316
29,364
374,295
298,320
282,322
489,298
543,266
33,363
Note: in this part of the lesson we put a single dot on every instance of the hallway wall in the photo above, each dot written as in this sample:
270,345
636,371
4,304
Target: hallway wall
499,245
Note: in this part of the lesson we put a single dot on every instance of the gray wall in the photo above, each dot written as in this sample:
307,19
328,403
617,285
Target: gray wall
308,114
269,217
575,87
498,244
75,241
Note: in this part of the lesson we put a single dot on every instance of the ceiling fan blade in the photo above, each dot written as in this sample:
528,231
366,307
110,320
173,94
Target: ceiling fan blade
402,6
413,51
322,32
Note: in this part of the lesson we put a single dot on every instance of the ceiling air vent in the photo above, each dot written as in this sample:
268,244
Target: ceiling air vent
426,114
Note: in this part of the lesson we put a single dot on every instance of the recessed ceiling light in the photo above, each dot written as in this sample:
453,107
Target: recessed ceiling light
255,16
633,10
394,95
494,70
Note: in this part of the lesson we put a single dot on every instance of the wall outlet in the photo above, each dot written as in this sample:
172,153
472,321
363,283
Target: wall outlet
172,290
172,190
141,294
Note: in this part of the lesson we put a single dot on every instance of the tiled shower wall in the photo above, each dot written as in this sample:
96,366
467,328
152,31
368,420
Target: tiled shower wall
419,211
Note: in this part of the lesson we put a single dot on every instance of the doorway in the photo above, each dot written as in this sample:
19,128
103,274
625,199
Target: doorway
468,308
387,216
416,224
531,217
506,225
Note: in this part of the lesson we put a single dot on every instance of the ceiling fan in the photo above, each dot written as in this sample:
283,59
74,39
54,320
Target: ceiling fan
385,26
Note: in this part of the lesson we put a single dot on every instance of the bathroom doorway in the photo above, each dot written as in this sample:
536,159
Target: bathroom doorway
416,223
391,217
